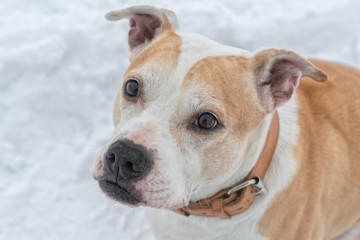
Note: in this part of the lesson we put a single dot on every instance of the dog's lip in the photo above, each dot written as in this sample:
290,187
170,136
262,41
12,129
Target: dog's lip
118,193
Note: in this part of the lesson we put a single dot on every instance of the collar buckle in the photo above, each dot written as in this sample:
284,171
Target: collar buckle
258,185
260,189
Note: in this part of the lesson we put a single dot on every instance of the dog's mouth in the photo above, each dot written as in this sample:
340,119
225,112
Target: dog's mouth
119,193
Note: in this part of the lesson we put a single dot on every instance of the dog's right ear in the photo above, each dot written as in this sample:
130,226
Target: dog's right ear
146,23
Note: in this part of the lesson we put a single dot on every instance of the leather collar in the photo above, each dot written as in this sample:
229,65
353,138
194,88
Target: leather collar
232,201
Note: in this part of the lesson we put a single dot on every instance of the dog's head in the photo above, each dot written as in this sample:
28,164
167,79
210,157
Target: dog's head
187,110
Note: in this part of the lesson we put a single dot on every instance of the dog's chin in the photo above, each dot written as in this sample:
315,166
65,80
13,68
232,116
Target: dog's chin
164,203
120,193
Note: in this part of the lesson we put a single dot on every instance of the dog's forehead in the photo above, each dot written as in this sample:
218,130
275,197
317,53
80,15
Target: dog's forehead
166,62
196,47
181,70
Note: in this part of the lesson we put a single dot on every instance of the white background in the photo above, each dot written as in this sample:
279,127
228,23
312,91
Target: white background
61,63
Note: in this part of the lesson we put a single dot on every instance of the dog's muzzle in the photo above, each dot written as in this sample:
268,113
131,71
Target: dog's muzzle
125,163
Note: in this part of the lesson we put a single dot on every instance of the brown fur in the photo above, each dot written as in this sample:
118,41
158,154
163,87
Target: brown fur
323,199
221,84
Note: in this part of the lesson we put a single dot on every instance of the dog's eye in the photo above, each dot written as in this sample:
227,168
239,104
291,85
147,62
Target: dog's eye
207,121
131,88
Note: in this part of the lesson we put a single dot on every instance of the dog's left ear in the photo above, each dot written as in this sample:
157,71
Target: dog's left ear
277,74
146,23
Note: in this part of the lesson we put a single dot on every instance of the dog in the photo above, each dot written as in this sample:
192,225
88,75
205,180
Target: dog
222,143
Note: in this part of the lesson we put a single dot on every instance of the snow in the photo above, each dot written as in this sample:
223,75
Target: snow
60,66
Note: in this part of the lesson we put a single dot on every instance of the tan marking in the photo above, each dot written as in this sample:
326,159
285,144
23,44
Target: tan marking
226,78
226,90
322,201
165,49
163,53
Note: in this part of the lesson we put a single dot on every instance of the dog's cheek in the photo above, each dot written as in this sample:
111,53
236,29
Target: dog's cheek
219,162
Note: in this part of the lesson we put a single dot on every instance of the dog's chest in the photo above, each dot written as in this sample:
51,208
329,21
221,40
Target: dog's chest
170,226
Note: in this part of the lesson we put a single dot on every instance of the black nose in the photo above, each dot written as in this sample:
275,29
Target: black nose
126,160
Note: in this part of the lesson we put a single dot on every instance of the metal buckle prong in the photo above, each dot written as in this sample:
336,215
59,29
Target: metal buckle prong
259,187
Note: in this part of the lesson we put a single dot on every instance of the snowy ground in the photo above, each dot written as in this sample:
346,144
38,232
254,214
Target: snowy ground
60,66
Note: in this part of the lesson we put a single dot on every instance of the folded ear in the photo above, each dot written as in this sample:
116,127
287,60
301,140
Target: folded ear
146,23
277,74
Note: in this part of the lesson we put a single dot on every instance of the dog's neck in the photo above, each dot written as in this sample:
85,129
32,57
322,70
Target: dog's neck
252,152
